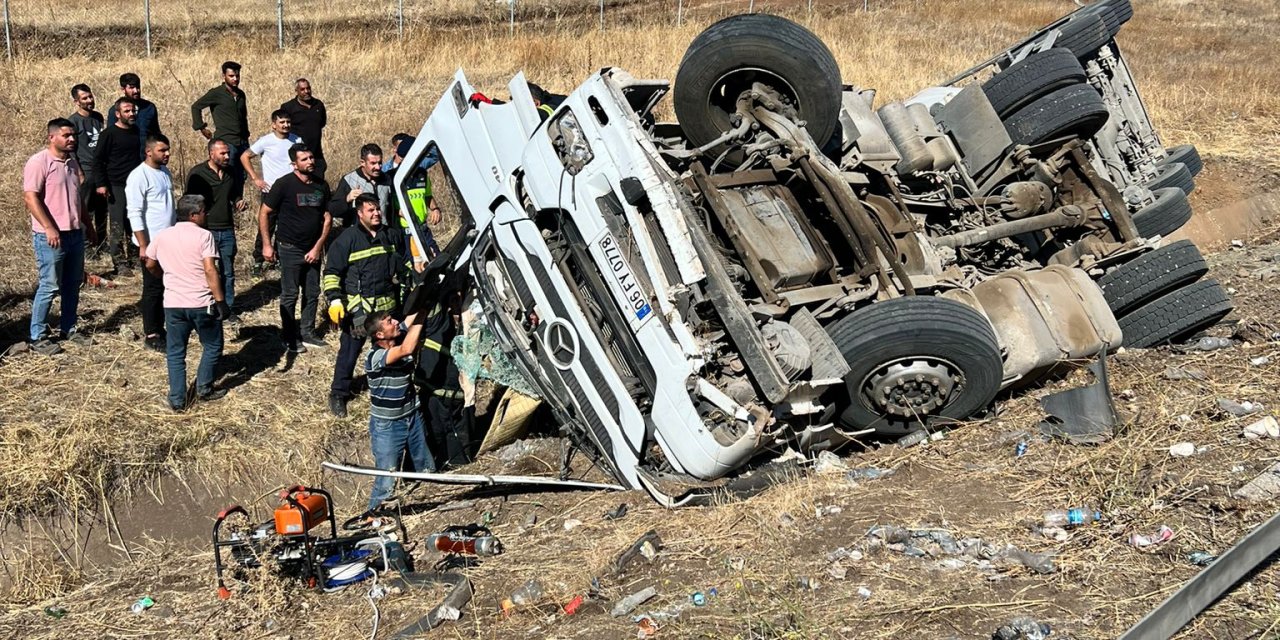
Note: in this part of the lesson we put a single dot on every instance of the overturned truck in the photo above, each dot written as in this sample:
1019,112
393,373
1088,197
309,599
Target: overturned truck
791,265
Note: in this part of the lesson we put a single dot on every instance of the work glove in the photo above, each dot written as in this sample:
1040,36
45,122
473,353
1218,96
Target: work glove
337,312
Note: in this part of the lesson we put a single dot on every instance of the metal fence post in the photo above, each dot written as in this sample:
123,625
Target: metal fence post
280,24
679,12
602,15
146,12
400,19
8,37
512,25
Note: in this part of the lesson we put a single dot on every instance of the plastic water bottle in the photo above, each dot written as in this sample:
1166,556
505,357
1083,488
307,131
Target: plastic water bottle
528,593
1070,517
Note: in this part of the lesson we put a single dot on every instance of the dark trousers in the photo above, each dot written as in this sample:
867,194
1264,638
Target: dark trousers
449,429
118,244
225,240
181,323
349,349
152,304
93,210
296,274
257,241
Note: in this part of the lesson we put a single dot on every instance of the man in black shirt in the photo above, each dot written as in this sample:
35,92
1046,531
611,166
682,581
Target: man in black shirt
309,120
214,181
147,118
89,125
230,115
302,224
117,156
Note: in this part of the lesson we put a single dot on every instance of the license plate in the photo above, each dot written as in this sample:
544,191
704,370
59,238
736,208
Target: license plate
633,299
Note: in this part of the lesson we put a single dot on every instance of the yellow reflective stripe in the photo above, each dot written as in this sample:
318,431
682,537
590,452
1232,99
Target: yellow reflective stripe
379,250
547,108
376,303
331,282
431,344
447,393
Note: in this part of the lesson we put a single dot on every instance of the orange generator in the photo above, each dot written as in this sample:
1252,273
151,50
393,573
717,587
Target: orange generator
301,509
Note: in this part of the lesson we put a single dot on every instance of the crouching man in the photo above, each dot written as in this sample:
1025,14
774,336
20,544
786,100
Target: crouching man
395,422
185,256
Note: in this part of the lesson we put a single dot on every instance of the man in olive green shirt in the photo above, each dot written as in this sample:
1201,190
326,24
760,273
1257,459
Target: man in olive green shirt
230,115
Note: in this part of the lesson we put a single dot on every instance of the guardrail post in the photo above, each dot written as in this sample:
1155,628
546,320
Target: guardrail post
280,24
146,14
8,37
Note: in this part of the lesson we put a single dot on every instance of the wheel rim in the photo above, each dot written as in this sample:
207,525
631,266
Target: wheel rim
723,97
912,386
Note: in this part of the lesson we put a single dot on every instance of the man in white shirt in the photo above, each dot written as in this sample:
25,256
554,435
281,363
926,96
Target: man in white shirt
149,194
273,148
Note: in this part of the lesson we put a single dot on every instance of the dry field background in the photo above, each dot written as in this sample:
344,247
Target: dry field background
83,432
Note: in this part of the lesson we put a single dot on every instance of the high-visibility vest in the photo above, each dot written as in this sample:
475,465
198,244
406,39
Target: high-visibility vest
419,194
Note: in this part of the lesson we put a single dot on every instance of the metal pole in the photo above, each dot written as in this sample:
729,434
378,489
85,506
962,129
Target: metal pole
8,37
280,24
602,15
751,8
400,18
679,12
512,25
810,8
146,10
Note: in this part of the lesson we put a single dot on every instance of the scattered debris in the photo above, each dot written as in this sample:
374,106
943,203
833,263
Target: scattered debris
786,519
617,513
867,473
1183,450
1265,486
531,521
528,593
1210,343
1084,415
1238,409
629,603
1070,517
1041,563
96,281
828,510
1260,361
571,524
837,571
456,505
1201,558
807,583
646,546
1179,373
142,604
647,627
572,606
1022,629
698,598
1160,536
841,553
128,333
55,612
828,462
1020,450
515,451
1267,427
864,593
447,612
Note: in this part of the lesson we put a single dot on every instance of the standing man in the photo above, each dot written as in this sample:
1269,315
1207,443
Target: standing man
422,203
274,150
119,153
363,272
89,125
309,120
147,118
51,190
395,423
184,256
230,114
366,178
149,192
212,180
299,198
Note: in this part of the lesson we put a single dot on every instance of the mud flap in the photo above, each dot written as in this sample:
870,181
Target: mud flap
1084,415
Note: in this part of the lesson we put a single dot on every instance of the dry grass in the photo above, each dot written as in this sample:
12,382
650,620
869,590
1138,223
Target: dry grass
83,429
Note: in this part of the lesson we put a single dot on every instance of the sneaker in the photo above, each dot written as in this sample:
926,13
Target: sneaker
45,347
338,406
313,341
295,348
156,343
79,339
212,394
175,408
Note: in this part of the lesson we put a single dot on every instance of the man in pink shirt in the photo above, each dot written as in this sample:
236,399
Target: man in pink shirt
51,189
185,255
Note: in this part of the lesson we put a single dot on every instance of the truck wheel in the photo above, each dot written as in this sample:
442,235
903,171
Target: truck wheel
1032,77
1151,275
1083,34
1175,315
1173,174
1073,110
730,55
1185,154
1167,214
1114,13
914,359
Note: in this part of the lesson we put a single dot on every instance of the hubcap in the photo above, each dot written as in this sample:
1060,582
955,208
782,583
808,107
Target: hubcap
914,386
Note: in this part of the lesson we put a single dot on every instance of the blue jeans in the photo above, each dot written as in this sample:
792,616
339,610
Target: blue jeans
389,439
225,240
179,323
60,271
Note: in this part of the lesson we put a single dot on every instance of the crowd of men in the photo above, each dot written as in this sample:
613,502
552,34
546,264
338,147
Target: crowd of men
102,186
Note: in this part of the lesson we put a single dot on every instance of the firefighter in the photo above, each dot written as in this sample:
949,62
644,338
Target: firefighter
366,267
450,422
426,212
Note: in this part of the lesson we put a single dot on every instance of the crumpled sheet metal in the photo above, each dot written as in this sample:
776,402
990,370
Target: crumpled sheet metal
1084,415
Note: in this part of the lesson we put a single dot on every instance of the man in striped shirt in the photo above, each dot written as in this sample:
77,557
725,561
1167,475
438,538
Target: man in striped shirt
395,421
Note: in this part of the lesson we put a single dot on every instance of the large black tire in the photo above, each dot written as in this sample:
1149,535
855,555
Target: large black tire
887,343
1033,77
1114,13
1175,315
1152,275
729,55
1167,214
1187,155
1073,110
1083,34
1174,174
